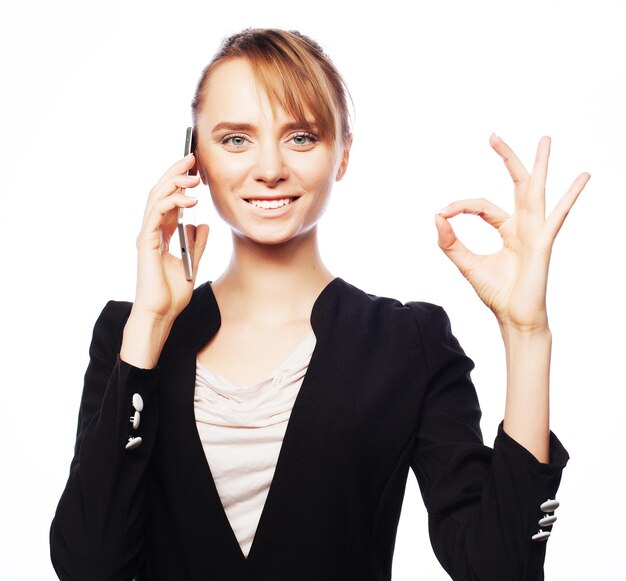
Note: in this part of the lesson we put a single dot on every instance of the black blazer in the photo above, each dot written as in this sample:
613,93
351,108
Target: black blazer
387,388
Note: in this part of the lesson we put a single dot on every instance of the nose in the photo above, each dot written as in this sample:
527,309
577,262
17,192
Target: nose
270,166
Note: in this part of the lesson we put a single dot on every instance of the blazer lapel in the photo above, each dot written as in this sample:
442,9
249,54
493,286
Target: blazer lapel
209,539
288,479
205,533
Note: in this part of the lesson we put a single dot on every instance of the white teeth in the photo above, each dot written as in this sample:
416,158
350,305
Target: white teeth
269,204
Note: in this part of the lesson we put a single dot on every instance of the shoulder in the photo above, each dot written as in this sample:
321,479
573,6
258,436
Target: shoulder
431,320
107,332
412,327
114,313
113,317
415,313
427,322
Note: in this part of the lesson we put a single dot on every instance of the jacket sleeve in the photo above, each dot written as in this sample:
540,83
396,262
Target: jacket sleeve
97,530
483,504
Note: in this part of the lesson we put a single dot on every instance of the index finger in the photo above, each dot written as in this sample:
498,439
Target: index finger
180,167
515,167
539,176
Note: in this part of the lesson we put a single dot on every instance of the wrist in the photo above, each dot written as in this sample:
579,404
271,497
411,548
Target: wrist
526,331
150,319
143,339
525,337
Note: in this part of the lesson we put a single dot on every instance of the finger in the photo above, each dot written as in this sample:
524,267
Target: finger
178,182
487,210
199,237
536,193
182,166
561,210
454,249
515,167
156,216
179,185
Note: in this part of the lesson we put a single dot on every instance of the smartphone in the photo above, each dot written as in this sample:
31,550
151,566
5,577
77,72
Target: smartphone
185,251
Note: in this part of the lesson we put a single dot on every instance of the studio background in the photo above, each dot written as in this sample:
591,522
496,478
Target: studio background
93,111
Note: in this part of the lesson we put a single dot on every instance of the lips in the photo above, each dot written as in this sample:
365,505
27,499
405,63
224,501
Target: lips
270,203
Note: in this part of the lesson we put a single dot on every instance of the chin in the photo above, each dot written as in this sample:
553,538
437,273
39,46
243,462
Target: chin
277,237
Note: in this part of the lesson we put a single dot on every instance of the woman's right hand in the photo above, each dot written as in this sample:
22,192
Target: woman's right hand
162,290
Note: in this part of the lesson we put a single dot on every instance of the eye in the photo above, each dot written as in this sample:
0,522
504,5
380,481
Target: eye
234,141
304,139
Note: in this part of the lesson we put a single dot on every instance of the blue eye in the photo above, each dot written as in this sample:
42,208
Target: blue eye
235,141
304,139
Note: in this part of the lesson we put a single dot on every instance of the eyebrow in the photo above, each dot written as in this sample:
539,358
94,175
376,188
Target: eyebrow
233,126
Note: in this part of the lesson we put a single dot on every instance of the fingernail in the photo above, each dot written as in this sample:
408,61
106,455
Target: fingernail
444,209
496,136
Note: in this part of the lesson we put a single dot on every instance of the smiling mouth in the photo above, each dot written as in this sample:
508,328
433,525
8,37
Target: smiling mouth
270,204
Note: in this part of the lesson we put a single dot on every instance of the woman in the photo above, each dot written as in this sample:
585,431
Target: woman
262,426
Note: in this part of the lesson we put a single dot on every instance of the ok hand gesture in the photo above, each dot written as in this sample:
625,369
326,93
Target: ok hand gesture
512,282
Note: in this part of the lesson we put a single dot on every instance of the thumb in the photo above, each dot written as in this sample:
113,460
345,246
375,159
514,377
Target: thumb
452,247
200,238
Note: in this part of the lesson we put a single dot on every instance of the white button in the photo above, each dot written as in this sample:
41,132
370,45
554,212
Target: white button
134,420
547,520
137,402
134,443
550,505
541,535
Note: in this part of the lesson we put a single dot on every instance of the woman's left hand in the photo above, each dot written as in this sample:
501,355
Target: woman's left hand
512,282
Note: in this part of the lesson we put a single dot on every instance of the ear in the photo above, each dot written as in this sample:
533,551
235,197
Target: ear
343,164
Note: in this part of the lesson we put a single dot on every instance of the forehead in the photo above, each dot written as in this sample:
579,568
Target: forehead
232,92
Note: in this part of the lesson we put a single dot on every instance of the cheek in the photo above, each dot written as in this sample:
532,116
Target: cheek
315,172
224,171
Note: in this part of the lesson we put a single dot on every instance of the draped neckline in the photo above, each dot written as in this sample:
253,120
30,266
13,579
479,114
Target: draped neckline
207,308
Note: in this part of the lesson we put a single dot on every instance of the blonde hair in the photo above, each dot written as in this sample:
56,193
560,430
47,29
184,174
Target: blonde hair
296,74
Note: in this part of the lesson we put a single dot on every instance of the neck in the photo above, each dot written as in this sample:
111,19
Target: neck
273,282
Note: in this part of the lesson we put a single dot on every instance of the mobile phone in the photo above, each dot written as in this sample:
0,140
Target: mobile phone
185,251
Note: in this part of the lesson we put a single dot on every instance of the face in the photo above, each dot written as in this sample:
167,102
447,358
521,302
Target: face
270,178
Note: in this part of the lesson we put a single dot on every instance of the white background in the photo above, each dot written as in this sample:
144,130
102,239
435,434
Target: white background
95,101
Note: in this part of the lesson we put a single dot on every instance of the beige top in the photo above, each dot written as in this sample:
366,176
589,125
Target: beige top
242,429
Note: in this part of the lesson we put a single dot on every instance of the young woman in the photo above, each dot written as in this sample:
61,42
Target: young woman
261,427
